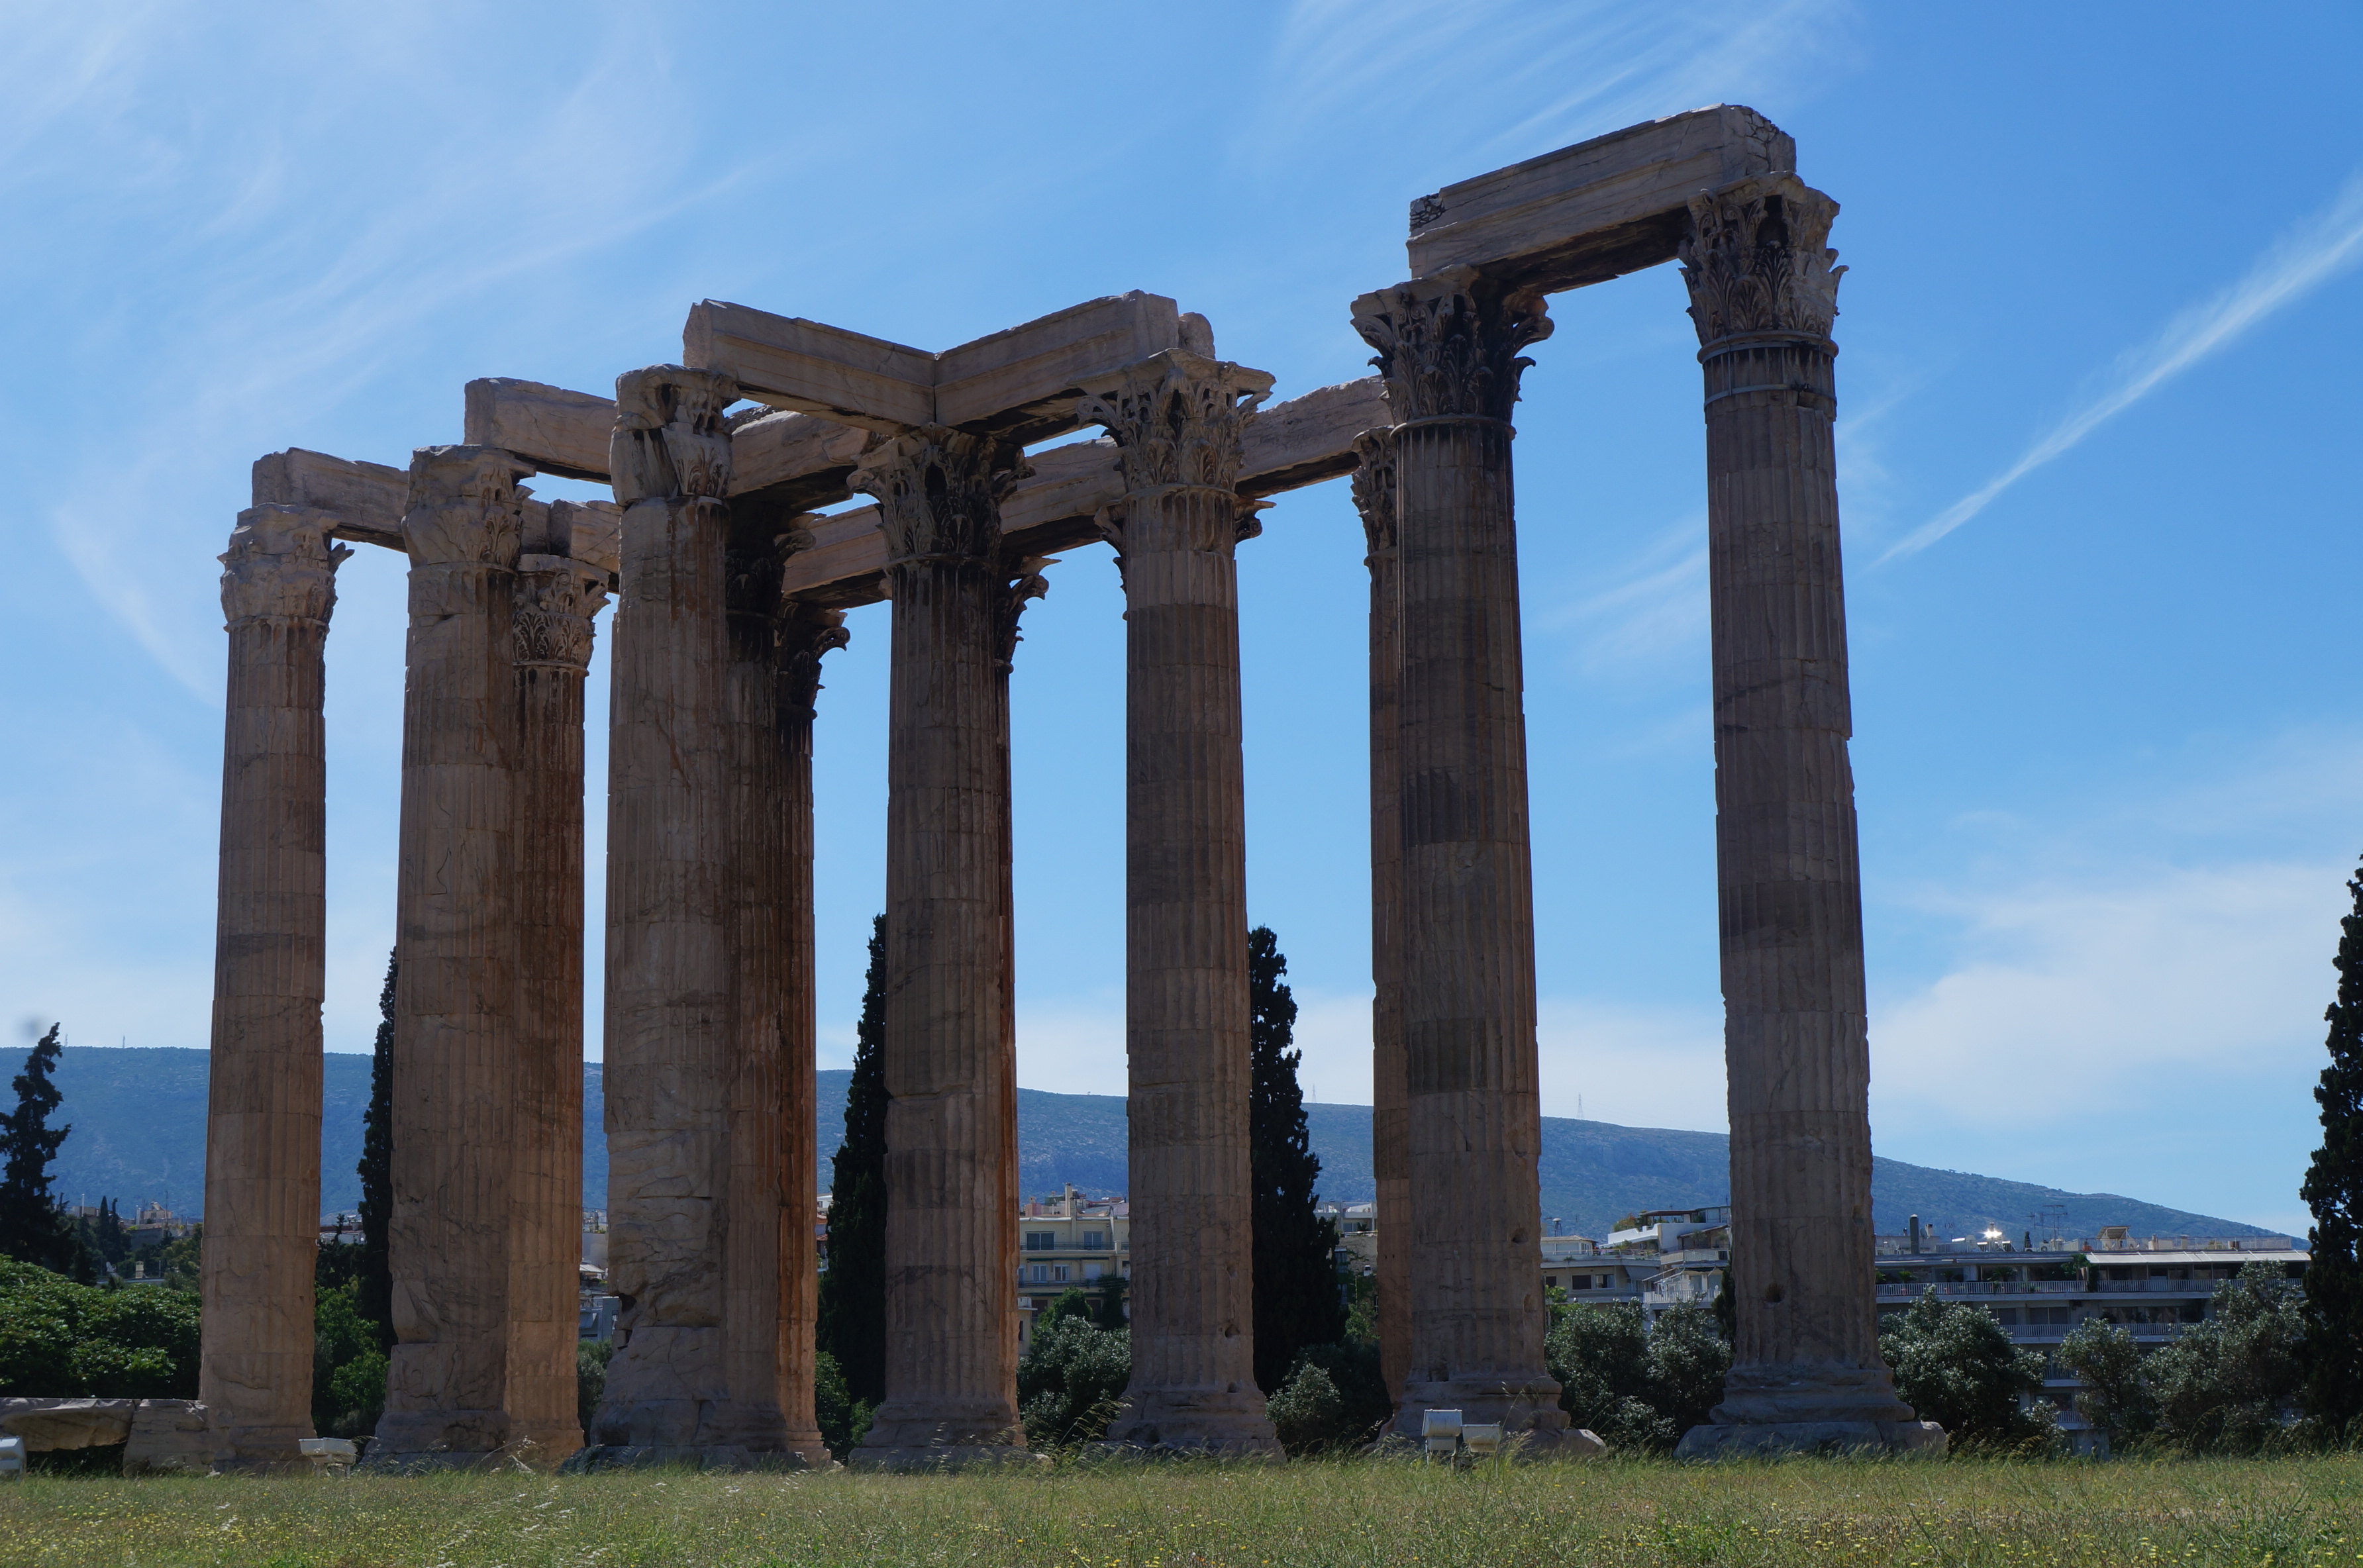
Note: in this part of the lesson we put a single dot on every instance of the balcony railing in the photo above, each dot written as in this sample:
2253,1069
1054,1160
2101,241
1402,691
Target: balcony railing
2185,1287
1984,1288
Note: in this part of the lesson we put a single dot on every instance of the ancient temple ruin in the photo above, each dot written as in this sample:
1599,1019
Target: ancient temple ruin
729,591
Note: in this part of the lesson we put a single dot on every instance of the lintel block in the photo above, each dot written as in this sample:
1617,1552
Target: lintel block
1025,380
791,363
367,498
559,432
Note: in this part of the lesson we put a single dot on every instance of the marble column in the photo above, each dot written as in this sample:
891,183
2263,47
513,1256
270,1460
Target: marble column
456,1041
1448,350
806,632
669,982
1763,296
951,1052
1177,420
262,1103
556,599
1375,498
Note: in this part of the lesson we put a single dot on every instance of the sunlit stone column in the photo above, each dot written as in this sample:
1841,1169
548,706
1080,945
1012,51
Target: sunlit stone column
669,1028
950,1049
1375,498
556,599
1448,348
1177,420
262,1104
455,1072
1807,1369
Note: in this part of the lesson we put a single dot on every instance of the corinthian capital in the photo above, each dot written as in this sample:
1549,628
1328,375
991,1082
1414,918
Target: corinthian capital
940,492
465,506
806,632
669,437
556,599
1178,418
1449,344
1755,260
1374,488
281,565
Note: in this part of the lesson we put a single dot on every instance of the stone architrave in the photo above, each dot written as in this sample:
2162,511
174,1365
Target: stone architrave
1374,498
806,634
1178,419
1448,350
950,1049
456,1074
768,1203
1806,1370
556,598
669,985
262,1107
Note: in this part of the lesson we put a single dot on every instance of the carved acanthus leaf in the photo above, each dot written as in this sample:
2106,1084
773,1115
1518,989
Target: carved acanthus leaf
465,507
806,632
671,437
1178,419
940,492
280,564
1374,488
1756,259
1026,582
556,599
1449,344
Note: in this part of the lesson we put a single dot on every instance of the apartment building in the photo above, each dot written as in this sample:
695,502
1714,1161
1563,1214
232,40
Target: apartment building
1067,1242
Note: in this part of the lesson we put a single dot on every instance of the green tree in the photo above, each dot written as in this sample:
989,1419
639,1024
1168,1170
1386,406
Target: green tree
60,1339
2333,1190
1955,1365
1071,1380
33,1229
852,1319
1349,1395
349,1363
1638,1386
843,1421
374,1299
2229,1383
2116,1396
1297,1299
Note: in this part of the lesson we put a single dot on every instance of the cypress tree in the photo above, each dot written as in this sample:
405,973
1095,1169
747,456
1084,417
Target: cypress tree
852,1326
2333,1190
1297,1302
374,1298
32,1228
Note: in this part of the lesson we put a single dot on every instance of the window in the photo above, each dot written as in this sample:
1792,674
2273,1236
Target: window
1091,1271
2006,1316
2062,1315
1580,1281
1039,1274
1059,1274
1551,1282
1605,1281
1041,1240
1095,1241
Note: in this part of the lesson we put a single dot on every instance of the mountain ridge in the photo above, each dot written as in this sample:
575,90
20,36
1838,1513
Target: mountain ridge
138,1122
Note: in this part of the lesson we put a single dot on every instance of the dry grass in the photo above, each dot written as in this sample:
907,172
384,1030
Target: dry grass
1819,1512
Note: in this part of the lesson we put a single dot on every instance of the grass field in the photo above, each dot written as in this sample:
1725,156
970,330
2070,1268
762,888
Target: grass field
1306,1515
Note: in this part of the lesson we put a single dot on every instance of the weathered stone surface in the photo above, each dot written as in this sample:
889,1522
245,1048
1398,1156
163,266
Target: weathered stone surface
784,450
262,1113
1596,210
1763,294
456,1042
1448,348
47,1425
669,930
169,1437
1375,500
1310,439
366,499
950,1047
559,432
792,363
1178,420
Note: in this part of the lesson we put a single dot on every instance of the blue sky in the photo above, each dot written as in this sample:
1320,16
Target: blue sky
2098,337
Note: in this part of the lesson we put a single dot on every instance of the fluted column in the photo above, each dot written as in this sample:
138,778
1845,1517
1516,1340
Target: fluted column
262,1103
556,599
1448,346
950,1049
806,634
1375,498
456,1076
1763,296
670,978
1177,420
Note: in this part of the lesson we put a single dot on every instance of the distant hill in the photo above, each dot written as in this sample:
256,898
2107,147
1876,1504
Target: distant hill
138,1121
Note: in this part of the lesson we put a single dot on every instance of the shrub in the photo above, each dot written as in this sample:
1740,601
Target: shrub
843,1421
58,1339
2228,1383
1955,1366
2117,1396
349,1363
591,1359
1636,1387
1073,1378
1308,1412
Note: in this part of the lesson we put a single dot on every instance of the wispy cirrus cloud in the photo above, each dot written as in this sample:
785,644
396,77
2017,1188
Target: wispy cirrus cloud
2316,250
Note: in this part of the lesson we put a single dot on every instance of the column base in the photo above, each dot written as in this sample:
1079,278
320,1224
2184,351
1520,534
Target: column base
938,1434
1775,1394
1525,1406
1772,1439
1177,1422
545,1448
409,1441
